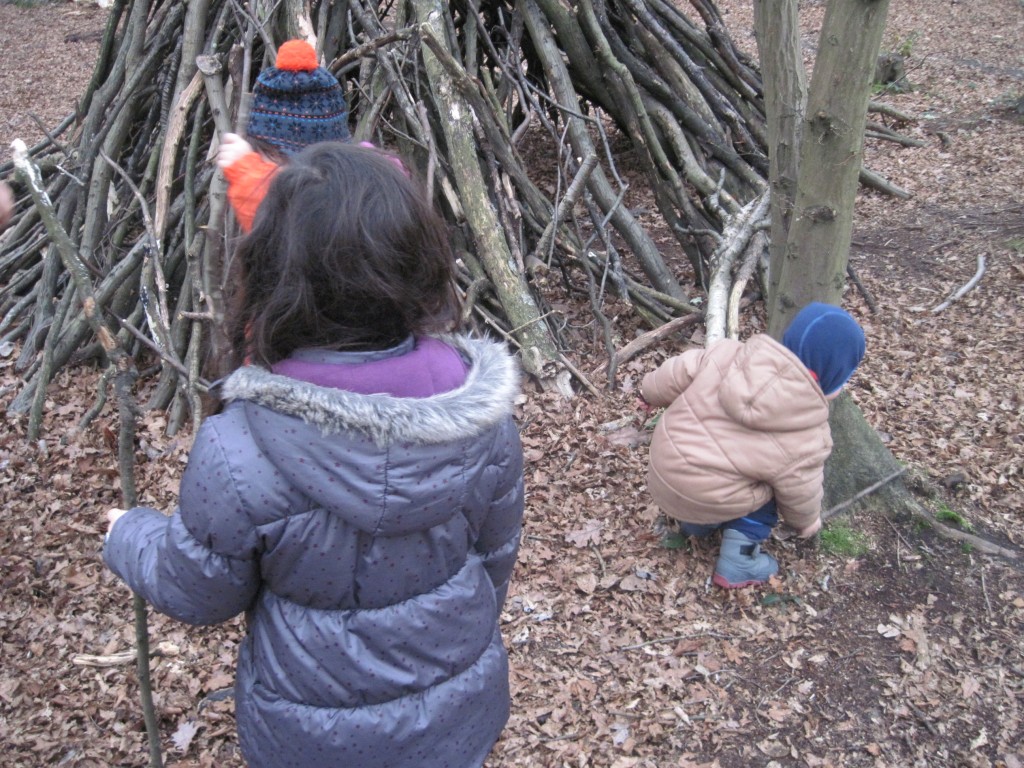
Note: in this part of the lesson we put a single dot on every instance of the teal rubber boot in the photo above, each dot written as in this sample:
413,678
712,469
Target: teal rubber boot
741,563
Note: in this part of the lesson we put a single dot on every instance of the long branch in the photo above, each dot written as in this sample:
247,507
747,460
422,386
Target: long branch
124,379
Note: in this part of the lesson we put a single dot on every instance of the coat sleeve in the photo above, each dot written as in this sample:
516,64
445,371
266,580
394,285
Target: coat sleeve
799,490
200,565
664,384
248,179
497,542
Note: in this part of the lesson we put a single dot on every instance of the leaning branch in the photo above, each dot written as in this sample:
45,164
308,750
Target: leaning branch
966,287
832,511
659,334
122,363
739,230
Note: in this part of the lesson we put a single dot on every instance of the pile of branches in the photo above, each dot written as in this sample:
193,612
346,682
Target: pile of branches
454,88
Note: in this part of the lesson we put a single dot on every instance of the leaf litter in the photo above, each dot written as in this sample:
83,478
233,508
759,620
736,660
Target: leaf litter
622,654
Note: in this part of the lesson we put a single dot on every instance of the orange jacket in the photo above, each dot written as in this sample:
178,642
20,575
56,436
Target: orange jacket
248,180
745,422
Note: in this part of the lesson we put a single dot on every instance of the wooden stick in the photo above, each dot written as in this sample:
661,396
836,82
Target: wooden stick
124,378
211,67
660,333
866,492
966,287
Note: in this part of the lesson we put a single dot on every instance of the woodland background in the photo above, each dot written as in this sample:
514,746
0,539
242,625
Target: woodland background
905,651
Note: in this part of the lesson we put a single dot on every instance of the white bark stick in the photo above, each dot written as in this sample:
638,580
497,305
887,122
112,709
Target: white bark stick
735,239
966,287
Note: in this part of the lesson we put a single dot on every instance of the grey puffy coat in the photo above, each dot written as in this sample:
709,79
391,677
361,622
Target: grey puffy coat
371,539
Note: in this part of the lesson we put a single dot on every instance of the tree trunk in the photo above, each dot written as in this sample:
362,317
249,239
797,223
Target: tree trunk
777,26
813,264
815,164
860,458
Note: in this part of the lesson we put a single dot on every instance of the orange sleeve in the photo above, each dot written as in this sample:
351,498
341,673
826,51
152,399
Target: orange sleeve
248,180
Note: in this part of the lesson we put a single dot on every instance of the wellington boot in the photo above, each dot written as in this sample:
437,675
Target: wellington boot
741,562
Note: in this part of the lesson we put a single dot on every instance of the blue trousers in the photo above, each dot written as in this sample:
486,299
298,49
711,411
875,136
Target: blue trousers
756,526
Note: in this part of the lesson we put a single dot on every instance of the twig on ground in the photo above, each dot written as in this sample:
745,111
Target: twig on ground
924,719
966,287
864,292
867,491
670,639
899,535
984,591
122,657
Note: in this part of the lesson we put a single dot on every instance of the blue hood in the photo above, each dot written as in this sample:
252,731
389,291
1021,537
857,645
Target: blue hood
828,341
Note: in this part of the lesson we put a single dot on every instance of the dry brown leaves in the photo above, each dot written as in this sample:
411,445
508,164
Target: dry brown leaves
622,654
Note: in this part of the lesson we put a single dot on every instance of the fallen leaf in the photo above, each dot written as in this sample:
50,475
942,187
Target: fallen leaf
980,741
970,686
182,737
589,534
587,583
887,630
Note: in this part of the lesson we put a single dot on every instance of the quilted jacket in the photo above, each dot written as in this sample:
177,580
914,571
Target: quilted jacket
370,540
745,422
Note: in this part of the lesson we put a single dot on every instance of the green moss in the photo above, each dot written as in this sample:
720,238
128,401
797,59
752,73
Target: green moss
906,46
947,515
675,541
839,538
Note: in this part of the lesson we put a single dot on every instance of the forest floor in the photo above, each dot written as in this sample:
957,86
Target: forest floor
907,649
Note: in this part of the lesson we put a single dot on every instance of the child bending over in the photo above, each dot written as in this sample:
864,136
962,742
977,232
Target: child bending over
360,496
745,435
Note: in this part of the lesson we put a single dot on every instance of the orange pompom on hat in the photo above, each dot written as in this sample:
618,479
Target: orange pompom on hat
297,56
297,102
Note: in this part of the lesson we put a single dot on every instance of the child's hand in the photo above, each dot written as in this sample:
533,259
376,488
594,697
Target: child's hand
810,530
643,405
232,147
113,515
6,204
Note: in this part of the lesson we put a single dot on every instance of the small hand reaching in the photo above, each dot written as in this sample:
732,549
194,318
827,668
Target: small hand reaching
113,515
232,147
810,530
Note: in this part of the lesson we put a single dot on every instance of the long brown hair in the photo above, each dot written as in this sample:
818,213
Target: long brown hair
345,252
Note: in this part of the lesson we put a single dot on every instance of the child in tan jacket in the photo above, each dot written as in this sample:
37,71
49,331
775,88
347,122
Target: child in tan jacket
745,435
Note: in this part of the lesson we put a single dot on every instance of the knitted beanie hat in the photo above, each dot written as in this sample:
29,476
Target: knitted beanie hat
297,102
828,341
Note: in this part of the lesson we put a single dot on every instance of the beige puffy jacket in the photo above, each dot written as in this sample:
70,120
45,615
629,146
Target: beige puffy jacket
745,421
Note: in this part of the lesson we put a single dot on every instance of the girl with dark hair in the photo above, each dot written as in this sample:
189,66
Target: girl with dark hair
360,496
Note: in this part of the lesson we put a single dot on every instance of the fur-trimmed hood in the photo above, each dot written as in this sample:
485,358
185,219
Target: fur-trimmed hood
376,460
485,398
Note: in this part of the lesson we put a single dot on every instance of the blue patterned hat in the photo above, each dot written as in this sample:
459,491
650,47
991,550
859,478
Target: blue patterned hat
297,102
